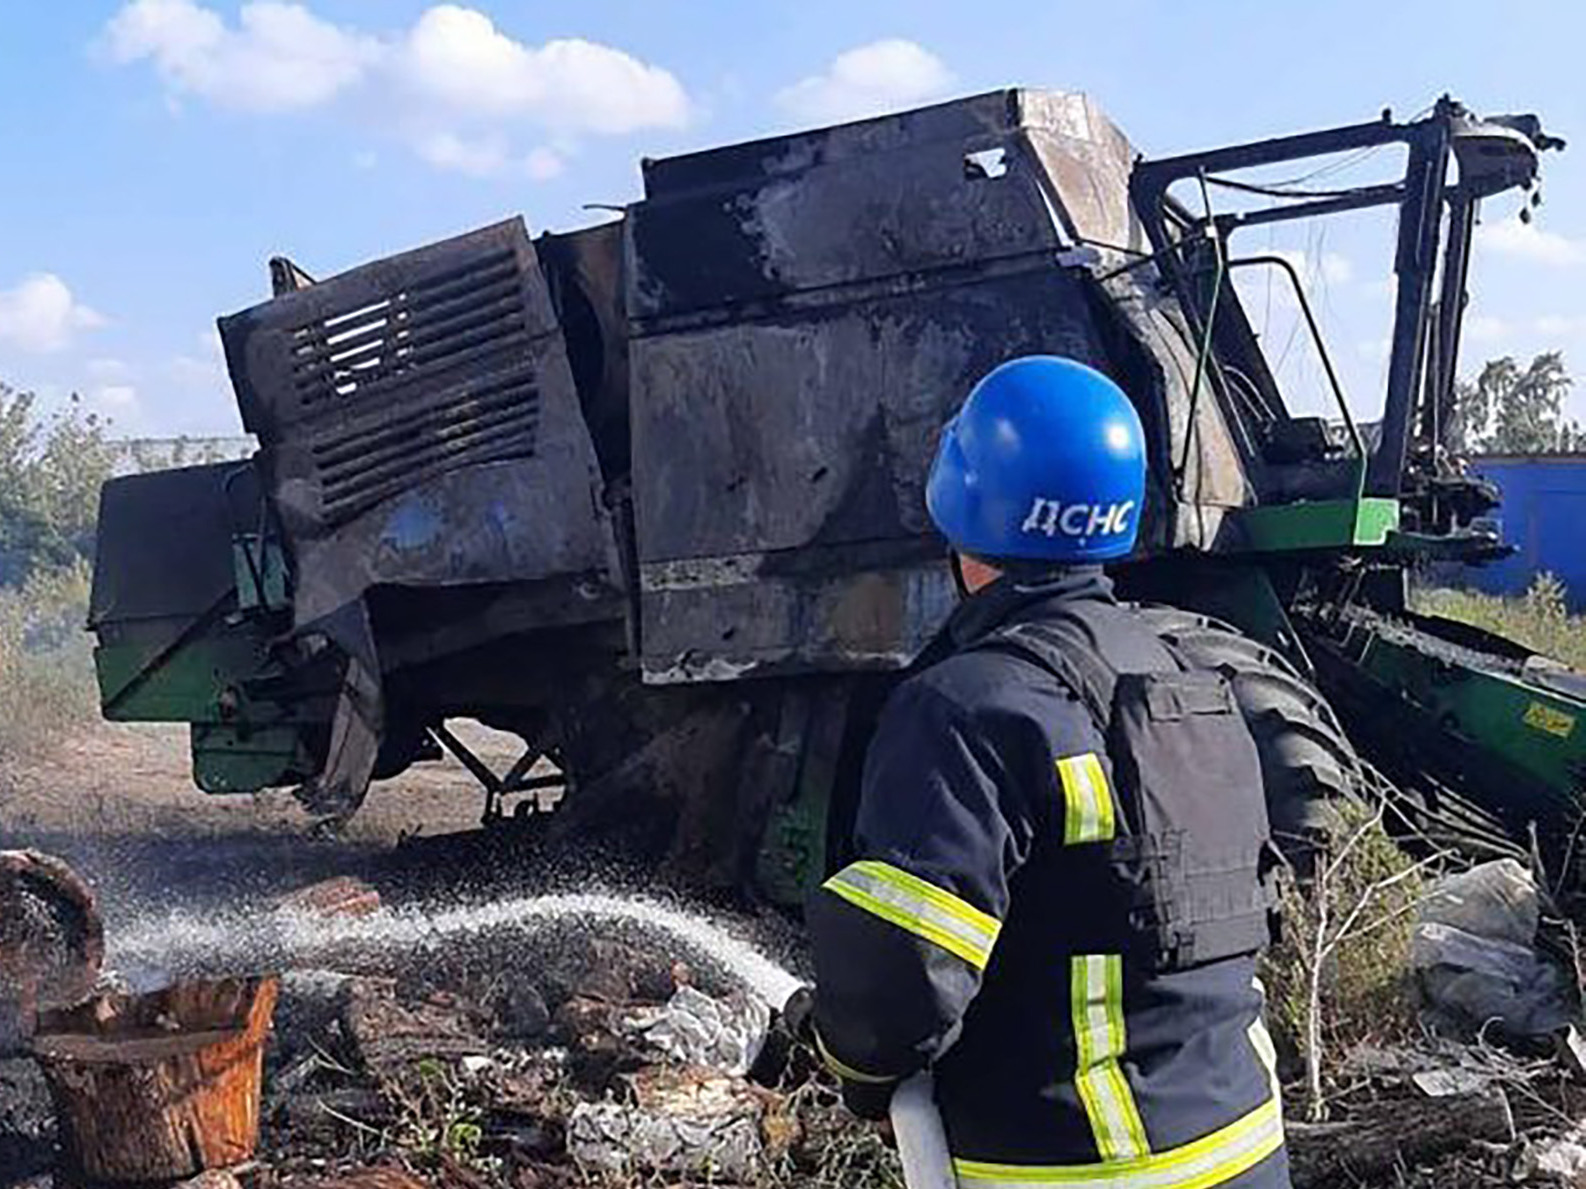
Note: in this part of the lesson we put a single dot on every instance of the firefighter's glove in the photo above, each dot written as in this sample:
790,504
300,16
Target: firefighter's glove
867,1100
798,1016
791,1028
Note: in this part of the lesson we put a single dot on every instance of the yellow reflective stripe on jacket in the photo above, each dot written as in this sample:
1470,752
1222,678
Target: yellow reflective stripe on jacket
1211,1160
844,1070
1096,998
1087,801
1261,1041
922,908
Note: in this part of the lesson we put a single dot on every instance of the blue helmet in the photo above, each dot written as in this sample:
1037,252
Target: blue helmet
1044,462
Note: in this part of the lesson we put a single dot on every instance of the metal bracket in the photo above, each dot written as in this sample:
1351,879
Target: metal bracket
516,779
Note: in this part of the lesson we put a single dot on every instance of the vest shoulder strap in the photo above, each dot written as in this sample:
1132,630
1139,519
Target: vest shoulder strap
1065,645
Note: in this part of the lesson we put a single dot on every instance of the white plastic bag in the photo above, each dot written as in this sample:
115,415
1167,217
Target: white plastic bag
1475,958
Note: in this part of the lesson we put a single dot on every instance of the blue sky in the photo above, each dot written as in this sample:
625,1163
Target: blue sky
159,151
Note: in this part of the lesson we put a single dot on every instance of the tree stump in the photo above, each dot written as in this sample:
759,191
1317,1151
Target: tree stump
160,1086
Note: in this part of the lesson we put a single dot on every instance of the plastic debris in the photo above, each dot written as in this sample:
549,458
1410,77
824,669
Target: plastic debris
684,1121
1558,1160
722,1034
1474,954
1443,1083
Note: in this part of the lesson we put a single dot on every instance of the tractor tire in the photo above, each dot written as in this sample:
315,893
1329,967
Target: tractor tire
1307,762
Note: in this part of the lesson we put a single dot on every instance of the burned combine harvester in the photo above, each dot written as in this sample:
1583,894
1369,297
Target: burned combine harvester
649,495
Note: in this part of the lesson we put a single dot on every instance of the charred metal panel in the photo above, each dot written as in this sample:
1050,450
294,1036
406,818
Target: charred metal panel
861,202
793,612
164,545
1086,161
583,271
805,313
419,424
419,427
1197,469
816,426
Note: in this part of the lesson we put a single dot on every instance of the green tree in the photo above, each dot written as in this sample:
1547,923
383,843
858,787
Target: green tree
51,469
1513,410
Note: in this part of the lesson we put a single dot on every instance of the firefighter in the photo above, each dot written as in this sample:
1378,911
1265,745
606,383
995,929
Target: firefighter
1062,877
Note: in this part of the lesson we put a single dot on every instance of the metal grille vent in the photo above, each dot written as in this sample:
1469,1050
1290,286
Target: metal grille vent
490,421
449,319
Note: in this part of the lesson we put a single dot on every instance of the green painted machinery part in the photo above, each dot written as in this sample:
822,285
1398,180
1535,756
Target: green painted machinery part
1533,729
261,573
197,671
792,858
1310,525
182,684
240,744
244,759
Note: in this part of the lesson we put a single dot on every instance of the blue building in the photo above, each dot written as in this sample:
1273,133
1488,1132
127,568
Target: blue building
1543,515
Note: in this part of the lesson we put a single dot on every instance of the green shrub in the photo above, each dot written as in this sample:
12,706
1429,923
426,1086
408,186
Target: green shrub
51,469
1339,977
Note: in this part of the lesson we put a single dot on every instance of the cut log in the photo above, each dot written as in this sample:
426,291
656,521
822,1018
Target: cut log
388,1035
340,896
161,1086
51,941
1394,1133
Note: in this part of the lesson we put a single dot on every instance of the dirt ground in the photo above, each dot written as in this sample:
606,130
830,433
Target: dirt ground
486,1028
459,962
118,802
113,778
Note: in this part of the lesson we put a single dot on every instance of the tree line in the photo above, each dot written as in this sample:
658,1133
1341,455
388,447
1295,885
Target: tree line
1510,409
51,469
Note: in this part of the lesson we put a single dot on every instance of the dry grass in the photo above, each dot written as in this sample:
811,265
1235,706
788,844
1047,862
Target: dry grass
1540,619
46,661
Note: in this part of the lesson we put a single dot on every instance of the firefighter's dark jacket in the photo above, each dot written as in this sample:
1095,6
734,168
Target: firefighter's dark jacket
948,941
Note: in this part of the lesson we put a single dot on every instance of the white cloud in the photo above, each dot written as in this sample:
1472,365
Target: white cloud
1483,328
1258,286
487,156
119,405
204,368
456,57
479,157
866,81
107,371
1336,269
278,57
1561,326
542,164
1527,241
1375,349
453,85
41,314
1383,290
116,398
192,371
